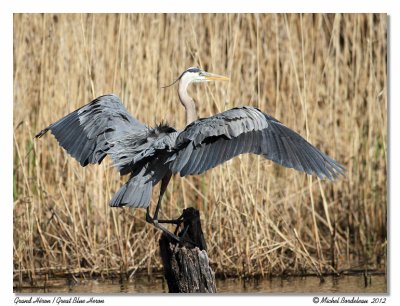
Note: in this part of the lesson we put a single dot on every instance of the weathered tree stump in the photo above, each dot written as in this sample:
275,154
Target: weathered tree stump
186,265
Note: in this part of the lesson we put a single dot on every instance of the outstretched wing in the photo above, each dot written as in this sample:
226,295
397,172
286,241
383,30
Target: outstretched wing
97,129
211,141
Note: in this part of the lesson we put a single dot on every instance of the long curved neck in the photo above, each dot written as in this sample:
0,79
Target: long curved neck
187,102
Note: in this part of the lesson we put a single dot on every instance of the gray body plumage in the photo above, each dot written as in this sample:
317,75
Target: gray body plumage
104,127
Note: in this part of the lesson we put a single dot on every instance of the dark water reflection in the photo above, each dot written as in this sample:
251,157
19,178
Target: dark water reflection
344,284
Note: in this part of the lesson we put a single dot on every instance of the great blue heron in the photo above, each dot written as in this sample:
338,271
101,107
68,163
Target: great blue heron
151,155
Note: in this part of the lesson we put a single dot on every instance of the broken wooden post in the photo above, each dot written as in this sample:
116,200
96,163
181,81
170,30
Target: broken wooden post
186,267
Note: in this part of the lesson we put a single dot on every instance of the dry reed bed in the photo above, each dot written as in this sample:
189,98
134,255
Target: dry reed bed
322,75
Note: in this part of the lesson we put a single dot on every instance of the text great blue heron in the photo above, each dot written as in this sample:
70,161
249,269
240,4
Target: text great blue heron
151,155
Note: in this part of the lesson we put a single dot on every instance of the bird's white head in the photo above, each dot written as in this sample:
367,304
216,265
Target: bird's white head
197,75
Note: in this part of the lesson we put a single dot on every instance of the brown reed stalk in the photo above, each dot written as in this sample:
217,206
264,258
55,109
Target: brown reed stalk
324,75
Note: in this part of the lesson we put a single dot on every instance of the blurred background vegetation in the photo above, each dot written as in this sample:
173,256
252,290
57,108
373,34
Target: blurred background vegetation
323,75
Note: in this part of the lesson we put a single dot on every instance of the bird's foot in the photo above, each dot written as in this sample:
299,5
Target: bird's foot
181,239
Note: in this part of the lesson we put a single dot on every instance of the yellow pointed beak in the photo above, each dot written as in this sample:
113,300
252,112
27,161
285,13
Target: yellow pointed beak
215,77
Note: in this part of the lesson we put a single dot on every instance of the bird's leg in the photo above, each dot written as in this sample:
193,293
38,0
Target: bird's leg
163,188
154,220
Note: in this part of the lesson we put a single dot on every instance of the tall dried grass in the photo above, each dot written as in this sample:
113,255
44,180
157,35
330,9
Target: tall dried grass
324,76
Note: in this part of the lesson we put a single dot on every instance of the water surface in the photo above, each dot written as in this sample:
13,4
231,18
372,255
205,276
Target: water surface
144,284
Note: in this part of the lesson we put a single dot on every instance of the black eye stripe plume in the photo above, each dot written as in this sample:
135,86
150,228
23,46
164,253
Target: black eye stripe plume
173,82
191,69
